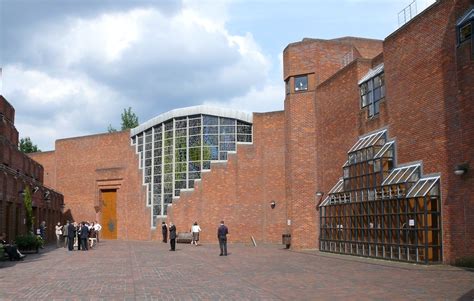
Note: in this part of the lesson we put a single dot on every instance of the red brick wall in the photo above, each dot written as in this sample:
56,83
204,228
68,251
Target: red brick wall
19,171
428,92
48,161
324,59
80,167
337,115
241,190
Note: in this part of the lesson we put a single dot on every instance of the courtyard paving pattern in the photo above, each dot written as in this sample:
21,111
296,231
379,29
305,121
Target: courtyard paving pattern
131,270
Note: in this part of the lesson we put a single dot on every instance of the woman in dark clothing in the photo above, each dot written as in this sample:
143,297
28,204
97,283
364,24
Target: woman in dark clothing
172,237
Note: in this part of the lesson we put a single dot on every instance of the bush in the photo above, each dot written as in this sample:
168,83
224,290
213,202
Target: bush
466,262
28,242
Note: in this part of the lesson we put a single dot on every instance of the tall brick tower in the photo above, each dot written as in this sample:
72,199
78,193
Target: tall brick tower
307,64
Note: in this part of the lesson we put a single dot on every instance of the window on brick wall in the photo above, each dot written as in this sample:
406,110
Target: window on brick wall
301,83
287,86
464,26
372,91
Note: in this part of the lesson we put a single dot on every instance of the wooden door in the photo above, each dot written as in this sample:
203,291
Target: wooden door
109,214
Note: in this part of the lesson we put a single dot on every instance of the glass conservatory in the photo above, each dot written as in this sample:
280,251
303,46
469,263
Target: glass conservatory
176,147
382,211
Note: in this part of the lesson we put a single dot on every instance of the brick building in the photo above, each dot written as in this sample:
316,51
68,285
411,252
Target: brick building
18,171
372,155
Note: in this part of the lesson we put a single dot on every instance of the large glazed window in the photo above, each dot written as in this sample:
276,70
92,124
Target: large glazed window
175,152
372,90
377,210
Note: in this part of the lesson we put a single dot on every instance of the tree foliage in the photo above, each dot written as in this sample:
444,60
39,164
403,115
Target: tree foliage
111,129
26,146
129,119
28,202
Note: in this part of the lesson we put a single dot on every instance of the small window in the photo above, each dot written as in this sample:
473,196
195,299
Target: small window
465,32
301,83
287,86
464,26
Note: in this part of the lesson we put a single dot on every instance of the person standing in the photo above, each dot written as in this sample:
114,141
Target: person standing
59,234
65,231
172,237
42,233
222,232
78,235
84,237
71,233
195,229
164,232
97,228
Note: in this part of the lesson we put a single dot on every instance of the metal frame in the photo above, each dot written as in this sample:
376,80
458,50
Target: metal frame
387,212
160,146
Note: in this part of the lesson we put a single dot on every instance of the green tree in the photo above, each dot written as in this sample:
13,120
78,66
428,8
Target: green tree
26,146
129,119
28,202
111,129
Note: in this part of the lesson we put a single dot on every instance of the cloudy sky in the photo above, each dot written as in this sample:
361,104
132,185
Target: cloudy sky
70,67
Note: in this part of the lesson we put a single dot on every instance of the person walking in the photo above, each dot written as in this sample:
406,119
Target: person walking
195,229
71,233
164,232
222,232
172,237
59,234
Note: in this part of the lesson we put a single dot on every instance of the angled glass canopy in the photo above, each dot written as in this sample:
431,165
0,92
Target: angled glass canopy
379,210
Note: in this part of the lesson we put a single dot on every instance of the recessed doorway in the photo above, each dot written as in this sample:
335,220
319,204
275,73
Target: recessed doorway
109,213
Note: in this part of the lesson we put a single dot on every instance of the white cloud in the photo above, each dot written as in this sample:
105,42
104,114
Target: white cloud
269,97
49,108
83,72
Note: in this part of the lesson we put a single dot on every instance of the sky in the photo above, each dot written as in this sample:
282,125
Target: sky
70,67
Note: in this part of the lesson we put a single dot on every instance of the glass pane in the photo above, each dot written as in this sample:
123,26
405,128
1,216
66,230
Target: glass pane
210,130
195,154
210,120
195,131
227,121
194,141
301,83
210,139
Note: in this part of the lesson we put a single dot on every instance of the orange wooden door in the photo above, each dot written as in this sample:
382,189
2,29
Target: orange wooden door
109,214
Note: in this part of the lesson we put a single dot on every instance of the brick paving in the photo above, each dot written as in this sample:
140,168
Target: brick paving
131,270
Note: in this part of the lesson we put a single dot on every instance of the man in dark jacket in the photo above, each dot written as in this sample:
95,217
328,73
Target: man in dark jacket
172,237
84,237
71,233
164,231
222,232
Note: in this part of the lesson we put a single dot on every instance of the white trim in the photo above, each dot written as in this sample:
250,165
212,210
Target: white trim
196,110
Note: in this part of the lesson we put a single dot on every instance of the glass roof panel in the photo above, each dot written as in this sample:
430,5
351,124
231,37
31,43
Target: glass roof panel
422,187
384,149
402,174
337,188
369,140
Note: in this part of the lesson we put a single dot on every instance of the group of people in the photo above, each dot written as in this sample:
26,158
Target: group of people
222,232
11,250
83,235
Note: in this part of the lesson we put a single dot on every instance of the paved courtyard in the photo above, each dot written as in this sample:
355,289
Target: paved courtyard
119,270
